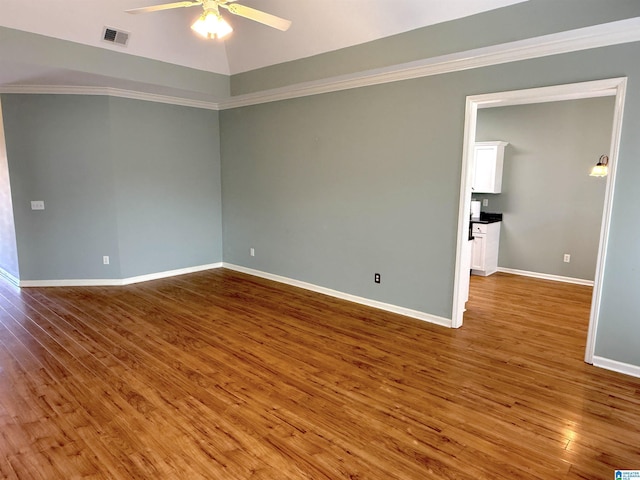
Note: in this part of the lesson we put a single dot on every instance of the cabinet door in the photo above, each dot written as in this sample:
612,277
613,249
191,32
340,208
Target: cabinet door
488,158
484,180
478,252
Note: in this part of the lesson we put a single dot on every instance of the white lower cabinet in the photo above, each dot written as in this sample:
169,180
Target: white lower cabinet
484,252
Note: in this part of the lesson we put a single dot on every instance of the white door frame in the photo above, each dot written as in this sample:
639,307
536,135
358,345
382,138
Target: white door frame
599,88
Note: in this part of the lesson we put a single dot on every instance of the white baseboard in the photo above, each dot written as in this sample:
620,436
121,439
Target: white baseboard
170,273
9,277
445,322
547,276
626,368
108,282
80,282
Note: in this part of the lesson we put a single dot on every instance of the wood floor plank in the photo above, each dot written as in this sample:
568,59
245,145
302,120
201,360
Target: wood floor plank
219,375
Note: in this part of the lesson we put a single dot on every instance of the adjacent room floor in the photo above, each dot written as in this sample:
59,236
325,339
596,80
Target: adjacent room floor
219,375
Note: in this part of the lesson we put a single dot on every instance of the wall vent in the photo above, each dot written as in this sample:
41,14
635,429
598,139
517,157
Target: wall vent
118,37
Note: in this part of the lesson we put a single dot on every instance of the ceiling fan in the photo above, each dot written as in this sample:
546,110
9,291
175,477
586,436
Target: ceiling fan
211,24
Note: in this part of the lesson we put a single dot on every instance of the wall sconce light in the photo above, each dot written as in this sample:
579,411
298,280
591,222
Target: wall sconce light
601,169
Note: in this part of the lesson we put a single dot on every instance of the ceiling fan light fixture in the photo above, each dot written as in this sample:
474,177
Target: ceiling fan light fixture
211,25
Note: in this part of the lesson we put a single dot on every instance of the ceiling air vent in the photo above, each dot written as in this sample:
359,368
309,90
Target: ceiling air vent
118,37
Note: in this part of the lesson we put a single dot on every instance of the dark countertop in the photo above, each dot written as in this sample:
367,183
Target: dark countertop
487,217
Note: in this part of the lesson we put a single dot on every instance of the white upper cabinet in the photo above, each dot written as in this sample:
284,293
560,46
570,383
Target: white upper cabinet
488,158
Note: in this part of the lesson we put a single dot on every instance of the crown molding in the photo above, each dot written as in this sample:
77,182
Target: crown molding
107,91
607,34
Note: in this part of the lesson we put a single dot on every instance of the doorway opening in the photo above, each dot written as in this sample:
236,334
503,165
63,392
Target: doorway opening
611,87
8,246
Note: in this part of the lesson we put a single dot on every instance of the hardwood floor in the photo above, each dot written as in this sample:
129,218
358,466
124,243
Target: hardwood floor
219,375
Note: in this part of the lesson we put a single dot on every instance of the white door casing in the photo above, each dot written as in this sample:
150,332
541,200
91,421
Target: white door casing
599,88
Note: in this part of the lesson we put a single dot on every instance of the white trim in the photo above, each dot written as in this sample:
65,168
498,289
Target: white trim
596,36
613,86
596,299
109,282
466,179
554,93
106,91
598,88
407,312
616,366
547,276
90,282
9,277
170,273
445,322
613,33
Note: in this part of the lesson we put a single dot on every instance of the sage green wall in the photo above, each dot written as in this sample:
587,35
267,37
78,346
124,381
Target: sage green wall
551,205
516,22
59,151
328,189
20,47
332,188
8,247
133,180
167,175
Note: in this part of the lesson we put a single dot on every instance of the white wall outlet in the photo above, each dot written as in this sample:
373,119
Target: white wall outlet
105,260
485,202
37,204
252,251
567,258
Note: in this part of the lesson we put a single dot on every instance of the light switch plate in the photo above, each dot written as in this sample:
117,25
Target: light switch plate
37,204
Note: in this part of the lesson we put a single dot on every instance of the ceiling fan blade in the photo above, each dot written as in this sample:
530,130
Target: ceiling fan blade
258,16
165,6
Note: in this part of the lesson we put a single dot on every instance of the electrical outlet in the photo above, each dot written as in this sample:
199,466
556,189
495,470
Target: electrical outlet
37,204
252,251
485,202
567,258
376,277
105,260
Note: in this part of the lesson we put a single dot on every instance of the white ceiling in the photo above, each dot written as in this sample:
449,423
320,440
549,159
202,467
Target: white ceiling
318,26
